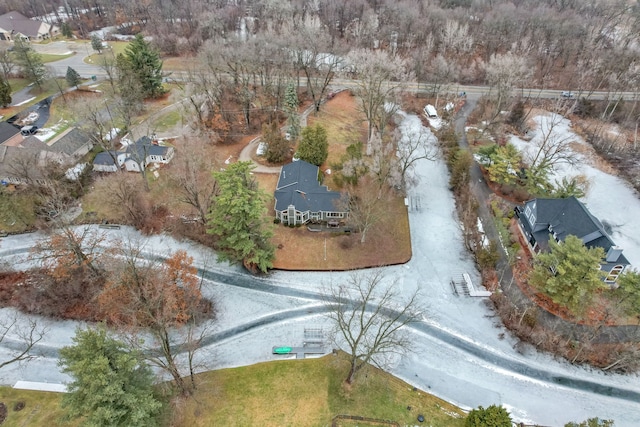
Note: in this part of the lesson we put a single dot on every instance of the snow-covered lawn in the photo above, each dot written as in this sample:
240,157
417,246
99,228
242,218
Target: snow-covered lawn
610,198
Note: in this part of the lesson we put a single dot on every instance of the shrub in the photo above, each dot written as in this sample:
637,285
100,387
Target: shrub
493,416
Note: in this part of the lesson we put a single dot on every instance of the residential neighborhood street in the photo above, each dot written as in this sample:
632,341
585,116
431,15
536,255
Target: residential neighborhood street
461,352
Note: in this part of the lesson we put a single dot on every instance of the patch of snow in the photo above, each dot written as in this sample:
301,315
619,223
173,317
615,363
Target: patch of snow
73,173
24,102
609,198
113,132
435,123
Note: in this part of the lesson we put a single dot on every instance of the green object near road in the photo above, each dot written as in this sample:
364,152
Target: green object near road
282,350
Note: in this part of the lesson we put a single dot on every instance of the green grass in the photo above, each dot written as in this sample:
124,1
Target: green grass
18,84
40,408
298,393
49,57
307,393
167,120
116,48
17,211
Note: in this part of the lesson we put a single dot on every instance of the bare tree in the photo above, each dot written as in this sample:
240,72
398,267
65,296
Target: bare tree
369,320
412,147
27,334
319,63
96,116
366,203
7,64
163,300
192,175
442,72
379,80
551,148
504,72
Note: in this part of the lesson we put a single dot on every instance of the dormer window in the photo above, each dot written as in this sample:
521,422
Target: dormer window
614,273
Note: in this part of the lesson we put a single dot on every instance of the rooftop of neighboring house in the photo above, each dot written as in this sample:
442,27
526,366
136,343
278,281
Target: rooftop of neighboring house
106,158
70,141
564,217
145,147
7,131
15,22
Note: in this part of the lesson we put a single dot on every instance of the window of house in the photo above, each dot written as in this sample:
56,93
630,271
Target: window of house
614,273
528,211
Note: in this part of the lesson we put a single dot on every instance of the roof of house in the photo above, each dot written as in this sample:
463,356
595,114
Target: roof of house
567,216
298,185
7,131
144,148
34,143
71,141
21,161
15,22
106,158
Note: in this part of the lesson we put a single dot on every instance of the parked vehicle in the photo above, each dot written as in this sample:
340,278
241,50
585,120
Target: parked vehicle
262,149
430,111
28,130
567,94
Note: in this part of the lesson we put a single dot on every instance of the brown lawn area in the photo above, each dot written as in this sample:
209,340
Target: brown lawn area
387,243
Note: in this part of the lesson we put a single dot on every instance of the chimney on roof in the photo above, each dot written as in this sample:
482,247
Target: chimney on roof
614,253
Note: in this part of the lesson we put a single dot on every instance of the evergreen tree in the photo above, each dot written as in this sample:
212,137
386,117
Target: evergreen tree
145,64
505,162
291,104
628,292
493,416
111,385
238,219
65,29
569,273
5,93
96,43
314,147
30,61
72,77
278,147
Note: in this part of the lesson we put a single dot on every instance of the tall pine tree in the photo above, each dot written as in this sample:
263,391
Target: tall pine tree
72,77
30,61
291,109
238,219
111,385
144,62
569,273
5,93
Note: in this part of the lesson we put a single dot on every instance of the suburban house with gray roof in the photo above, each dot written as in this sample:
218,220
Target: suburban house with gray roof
301,199
15,24
144,152
544,219
73,142
109,161
10,134
24,164
135,157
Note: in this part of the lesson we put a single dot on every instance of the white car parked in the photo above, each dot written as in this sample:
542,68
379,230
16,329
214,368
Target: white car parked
262,149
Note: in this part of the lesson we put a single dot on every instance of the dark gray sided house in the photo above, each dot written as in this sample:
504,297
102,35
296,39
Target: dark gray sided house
301,199
542,219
